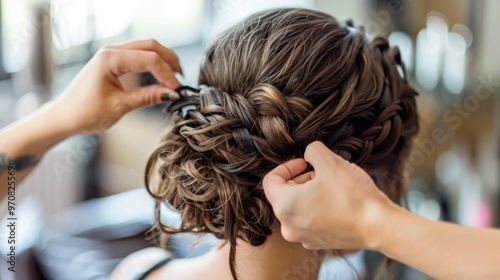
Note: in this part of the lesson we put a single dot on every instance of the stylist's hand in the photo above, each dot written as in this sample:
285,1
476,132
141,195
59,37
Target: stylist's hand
336,206
95,99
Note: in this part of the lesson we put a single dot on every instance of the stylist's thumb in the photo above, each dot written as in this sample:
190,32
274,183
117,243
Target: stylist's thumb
149,96
327,164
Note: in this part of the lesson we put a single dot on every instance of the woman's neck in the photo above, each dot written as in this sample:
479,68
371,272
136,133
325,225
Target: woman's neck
276,259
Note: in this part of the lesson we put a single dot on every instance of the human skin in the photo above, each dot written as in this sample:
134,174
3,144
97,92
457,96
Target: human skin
92,103
338,206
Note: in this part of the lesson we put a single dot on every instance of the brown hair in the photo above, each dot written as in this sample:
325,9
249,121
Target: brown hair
282,79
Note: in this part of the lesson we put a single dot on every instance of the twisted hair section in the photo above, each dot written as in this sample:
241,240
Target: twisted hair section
276,82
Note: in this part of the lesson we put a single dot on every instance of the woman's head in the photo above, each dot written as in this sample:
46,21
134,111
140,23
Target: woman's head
282,79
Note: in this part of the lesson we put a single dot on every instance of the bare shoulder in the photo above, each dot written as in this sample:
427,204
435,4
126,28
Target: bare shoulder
137,263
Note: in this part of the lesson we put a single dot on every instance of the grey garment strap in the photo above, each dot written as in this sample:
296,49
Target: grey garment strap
155,267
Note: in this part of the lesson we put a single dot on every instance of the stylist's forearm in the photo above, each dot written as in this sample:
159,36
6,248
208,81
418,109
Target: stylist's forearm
25,142
441,250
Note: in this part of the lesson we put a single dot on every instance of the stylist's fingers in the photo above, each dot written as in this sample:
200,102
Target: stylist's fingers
277,188
120,62
321,158
283,173
152,45
302,178
148,96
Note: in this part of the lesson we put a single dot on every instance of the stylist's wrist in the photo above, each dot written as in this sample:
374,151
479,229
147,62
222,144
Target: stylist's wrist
383,218
58,118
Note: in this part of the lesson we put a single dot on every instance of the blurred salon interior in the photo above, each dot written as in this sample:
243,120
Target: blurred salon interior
85,207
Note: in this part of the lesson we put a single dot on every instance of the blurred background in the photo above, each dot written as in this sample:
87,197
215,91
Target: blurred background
84,207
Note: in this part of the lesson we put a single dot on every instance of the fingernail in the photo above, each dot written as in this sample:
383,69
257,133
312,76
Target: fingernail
170,96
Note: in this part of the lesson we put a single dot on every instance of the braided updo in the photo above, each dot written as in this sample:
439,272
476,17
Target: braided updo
281,79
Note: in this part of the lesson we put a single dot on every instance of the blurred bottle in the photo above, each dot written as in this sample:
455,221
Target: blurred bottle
34,82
